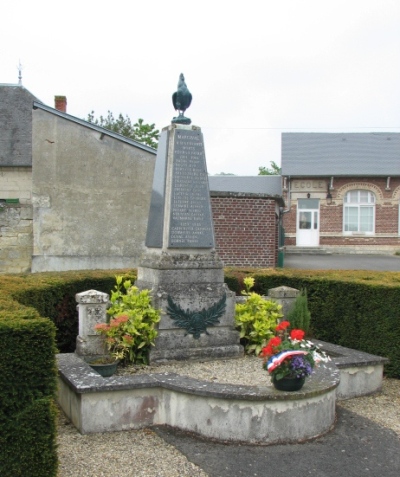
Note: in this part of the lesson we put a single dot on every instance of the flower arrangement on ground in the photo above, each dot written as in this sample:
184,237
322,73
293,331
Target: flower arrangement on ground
289,355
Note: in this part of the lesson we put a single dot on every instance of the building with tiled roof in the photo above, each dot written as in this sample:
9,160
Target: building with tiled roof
73,195
342,190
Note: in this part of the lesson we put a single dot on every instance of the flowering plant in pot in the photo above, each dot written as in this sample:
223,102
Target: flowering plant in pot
289,358
116,337
105,364
131,329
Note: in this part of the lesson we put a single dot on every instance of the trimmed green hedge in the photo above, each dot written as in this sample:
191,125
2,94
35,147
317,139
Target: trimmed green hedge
53,296
34,310
28,441
27,387
357,309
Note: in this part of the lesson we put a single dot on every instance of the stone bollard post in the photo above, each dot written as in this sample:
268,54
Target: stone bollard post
92,308
284,296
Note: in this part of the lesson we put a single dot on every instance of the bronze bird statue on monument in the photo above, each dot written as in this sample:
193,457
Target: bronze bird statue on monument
181,100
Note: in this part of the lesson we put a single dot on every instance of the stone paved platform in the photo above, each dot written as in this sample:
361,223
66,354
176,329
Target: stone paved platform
224,412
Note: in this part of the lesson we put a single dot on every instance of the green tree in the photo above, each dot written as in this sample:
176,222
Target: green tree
274,170
140,132
299,316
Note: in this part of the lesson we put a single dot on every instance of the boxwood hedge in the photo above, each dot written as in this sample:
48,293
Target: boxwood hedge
37,316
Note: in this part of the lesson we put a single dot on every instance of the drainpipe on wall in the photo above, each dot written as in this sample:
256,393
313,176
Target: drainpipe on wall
285,211
281,239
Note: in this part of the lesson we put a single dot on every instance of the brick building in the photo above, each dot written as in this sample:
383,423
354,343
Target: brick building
342,190
246,213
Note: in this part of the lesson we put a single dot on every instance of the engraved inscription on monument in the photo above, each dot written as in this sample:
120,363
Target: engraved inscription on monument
190,219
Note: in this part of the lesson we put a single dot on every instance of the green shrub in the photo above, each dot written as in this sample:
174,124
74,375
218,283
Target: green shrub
27,389
28,441
256,319
28,373
132,331
299,316
233,283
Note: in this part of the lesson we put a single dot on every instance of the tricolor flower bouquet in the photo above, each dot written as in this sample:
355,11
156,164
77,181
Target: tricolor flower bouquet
289,355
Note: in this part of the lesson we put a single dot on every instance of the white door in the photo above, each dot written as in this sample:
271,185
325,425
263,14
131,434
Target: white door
307,230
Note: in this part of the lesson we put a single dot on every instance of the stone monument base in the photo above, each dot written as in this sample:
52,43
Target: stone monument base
197,321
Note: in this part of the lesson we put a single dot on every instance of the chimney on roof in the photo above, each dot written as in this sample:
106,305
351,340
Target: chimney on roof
60,103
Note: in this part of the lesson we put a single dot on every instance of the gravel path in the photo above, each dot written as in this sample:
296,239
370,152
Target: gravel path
144,454
128,453
246,371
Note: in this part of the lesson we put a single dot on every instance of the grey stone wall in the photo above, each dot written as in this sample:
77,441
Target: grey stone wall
16,183
90,194
15,178
15,238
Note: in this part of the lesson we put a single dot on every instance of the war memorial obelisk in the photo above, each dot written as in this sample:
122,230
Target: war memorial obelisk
180,265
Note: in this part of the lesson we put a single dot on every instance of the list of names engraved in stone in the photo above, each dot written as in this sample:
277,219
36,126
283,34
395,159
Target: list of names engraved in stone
190,220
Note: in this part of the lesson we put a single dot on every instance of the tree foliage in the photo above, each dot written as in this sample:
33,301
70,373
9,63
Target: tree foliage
274,170
140,131
299,316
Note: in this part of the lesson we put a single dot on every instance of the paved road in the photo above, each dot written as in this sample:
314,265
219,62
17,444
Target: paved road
356,447
342,262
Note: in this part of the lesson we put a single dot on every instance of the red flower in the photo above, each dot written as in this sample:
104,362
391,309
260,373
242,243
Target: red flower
272,344
122,318
297,335
282,326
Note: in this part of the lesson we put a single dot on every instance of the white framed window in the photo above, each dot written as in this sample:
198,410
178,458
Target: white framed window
359,212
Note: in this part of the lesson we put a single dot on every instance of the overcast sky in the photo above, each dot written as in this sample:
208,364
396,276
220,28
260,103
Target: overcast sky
255,68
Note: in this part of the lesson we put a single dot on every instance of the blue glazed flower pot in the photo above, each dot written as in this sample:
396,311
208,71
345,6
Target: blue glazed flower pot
288,384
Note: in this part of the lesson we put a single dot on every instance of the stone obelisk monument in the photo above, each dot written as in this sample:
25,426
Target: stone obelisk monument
180,265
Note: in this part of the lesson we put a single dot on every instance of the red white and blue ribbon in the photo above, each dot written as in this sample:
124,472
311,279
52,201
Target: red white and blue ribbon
277,359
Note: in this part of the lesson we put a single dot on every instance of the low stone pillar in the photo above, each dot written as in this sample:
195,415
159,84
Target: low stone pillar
92,309
284,296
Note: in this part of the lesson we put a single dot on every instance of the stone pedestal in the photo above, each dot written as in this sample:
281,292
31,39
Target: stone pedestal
180,266
284,296
92,309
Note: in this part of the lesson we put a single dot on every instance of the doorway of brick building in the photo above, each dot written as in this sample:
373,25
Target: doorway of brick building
307,228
